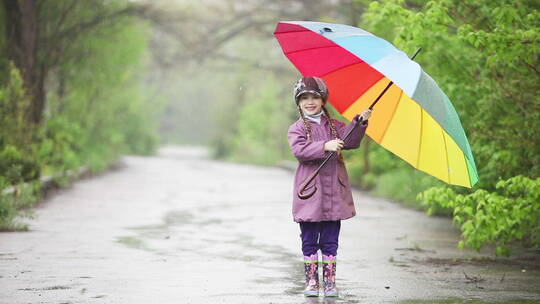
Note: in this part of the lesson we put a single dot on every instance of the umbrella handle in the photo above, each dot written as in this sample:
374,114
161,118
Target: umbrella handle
302,194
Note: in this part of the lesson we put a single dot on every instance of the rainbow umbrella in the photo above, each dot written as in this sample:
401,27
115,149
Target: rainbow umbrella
414,119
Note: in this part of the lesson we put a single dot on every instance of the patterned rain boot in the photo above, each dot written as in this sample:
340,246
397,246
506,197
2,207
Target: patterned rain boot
311,268
329,276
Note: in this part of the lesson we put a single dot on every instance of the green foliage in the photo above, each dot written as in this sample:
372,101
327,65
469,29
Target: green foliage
14,206
374,168
17,161
484,55
97,104
253,109
13,109
403,185
60,144
16,167
511,213
261,127
102,97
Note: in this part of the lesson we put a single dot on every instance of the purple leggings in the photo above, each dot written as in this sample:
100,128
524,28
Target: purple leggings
320,235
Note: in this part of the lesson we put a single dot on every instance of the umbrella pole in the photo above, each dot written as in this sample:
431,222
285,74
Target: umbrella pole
391,83
302,194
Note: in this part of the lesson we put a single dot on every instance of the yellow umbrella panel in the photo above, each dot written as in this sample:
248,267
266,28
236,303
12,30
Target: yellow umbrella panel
403,127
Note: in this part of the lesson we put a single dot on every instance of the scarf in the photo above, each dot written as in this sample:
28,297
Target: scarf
315,117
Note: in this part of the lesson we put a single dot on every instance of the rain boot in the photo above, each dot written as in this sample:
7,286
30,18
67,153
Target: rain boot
329,276
311,268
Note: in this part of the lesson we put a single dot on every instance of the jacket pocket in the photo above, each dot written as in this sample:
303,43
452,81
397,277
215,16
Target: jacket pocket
341,182
342,176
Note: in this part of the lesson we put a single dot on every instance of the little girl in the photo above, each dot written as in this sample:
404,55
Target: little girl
319,216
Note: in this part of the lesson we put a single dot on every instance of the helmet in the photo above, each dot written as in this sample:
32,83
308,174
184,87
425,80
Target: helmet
310,84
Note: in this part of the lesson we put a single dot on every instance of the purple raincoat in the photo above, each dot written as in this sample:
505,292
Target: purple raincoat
333,199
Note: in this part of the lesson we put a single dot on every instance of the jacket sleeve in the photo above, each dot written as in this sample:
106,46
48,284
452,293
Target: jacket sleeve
303,149
356,136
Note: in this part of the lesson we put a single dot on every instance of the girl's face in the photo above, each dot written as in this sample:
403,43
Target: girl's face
310,103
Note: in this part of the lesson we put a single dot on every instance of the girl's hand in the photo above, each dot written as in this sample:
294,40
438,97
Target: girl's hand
333,145
366,114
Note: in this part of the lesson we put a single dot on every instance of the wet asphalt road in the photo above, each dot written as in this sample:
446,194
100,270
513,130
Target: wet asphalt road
181,228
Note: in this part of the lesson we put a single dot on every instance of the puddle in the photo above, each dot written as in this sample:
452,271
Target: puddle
133,242
529,263
55,287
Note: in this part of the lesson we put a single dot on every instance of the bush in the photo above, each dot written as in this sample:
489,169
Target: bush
17,167
60,144
511,213
14,206
96,109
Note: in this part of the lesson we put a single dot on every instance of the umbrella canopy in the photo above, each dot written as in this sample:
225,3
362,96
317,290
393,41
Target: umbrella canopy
414,119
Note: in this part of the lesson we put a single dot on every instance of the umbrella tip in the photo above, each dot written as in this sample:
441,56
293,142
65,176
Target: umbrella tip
416,53
326,30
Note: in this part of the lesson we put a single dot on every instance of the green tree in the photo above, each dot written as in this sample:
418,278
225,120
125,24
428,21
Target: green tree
17,161
72,93
484,55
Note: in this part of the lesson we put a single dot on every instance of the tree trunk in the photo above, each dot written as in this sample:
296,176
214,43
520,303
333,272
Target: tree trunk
22,32
355,12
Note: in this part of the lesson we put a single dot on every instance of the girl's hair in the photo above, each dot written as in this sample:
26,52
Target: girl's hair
307,127
333,129
335,134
